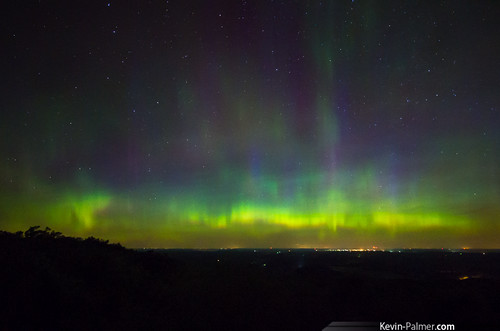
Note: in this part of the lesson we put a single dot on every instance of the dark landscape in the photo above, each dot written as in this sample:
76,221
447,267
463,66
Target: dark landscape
50,281
248,142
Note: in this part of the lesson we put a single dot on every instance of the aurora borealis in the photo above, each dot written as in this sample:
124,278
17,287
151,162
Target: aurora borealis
207,124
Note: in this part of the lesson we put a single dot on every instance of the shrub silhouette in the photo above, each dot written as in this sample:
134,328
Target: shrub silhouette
81,283
34,232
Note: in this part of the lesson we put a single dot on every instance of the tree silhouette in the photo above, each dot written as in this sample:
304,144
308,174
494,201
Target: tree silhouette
34,232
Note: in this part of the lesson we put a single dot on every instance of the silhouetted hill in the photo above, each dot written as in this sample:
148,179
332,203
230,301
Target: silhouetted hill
50,281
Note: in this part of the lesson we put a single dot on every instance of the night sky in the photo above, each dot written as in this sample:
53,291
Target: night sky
198,124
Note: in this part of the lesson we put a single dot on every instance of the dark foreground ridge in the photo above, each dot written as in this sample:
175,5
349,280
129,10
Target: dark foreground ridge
50,281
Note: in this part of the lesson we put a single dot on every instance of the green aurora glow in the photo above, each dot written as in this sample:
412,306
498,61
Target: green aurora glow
345,124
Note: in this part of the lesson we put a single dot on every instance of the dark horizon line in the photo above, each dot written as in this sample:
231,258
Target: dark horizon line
388,250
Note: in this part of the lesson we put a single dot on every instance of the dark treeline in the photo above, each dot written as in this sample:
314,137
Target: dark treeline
50,281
